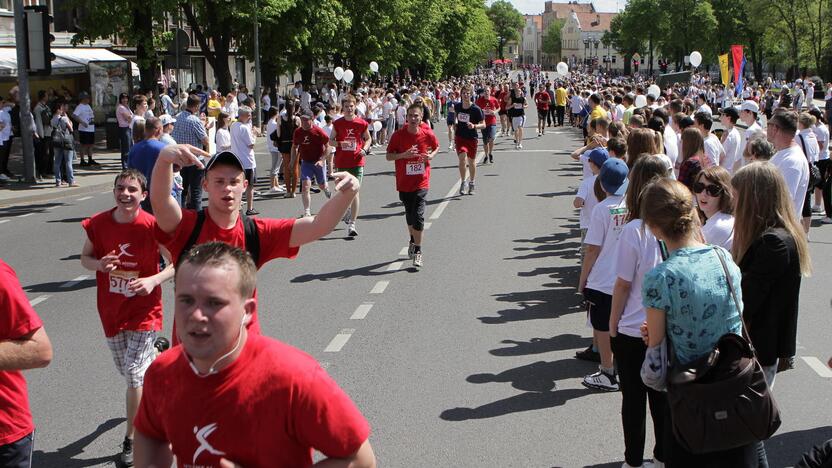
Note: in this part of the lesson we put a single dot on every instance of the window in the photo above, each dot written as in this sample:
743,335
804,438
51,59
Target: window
5,5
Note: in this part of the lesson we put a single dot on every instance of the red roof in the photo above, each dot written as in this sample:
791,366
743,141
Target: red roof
595,21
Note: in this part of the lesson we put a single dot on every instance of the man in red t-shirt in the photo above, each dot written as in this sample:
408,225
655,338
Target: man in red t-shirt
490,107
311,144
351,139
121,249
412,148
542,100
23,345
225,397
225,183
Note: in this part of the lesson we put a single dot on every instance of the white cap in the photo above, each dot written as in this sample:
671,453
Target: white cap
750,106
166,119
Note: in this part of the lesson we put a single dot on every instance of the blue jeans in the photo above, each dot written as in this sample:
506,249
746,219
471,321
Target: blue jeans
63,161
125,142
192,186
771,373
18,454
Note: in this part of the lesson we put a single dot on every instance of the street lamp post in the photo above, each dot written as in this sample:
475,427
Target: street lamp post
257,90
586,48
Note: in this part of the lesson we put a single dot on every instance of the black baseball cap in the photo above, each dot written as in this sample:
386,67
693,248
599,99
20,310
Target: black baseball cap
226,158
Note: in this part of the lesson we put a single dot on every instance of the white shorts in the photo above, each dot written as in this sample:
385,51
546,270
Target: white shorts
133,352
518,122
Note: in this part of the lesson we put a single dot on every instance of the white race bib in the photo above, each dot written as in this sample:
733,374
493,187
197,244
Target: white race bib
348,144
415,168
518,105
120,282
463,117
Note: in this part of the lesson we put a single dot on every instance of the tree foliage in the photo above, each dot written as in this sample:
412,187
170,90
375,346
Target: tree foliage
507,23
552,39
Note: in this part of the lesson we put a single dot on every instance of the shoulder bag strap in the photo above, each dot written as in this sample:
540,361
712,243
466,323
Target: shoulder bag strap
734,296
200,220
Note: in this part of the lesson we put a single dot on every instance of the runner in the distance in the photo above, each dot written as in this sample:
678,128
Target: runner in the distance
517,112
542,100
490,107
351,139
311,144
121,249
469,119
230,398
504,96
413,148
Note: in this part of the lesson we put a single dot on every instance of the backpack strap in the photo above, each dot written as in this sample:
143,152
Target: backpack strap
252,237
200,220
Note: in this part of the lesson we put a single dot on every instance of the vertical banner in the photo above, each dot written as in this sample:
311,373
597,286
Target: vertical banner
723,69
739,80
736,53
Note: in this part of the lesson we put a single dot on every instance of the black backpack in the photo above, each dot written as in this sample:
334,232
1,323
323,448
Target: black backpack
252,237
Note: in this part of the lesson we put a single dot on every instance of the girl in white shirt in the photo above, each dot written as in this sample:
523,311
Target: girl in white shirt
715,199
223,137
821,132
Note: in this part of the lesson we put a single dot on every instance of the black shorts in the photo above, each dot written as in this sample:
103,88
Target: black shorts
251,176
598,305
86,138
414,208
541,114
502,112
284,147
18,454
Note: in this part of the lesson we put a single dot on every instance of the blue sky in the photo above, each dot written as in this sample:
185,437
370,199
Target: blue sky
536,6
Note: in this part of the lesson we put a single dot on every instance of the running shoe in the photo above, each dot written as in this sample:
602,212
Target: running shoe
314,190
588,355
417,260
289,195
161,344
462,187
601,381
491,158
826,220
520,146
252,212
307,214
817,209
4,178
411,250
471,189
327,193
278,189
351,232
347,217
127,452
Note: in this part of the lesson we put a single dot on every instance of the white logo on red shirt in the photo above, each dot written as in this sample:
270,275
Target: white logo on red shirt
201,436
305,140
123,248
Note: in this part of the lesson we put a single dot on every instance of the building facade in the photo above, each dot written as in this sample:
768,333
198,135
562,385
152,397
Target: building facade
532,39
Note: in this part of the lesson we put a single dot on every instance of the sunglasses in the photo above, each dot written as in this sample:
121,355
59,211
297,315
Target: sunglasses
712,190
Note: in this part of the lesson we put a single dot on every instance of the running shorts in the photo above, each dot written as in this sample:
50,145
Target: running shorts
358,171
464,145
312,172
599,306
518,122
488,134
414,208
133,352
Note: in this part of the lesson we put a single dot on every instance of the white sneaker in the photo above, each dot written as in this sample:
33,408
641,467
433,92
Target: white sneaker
351,231
278,189
462,186
601,381
520,146
817,209
307,213
4,178
826,220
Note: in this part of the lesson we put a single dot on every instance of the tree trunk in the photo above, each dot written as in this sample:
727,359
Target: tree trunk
269,77
216,52
306,72
650,53
145,54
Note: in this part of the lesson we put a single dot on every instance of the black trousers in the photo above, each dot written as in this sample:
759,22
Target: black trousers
825,167
18,454
560,110
192,186
629,354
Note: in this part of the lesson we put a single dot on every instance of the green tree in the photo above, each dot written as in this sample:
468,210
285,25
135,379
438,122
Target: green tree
466,34
629,35
507,23
693,26
551,39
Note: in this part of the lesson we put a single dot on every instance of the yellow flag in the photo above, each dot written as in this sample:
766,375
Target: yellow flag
723,69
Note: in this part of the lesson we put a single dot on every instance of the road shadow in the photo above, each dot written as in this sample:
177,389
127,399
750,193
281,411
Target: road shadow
72,257
542,345
369,270
787,448
564,276
373,217
547,303
68,220
64,457
30,208
551,194
527,401
55,286
538,376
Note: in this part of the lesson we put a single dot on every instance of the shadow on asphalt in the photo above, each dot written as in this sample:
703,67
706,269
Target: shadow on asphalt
542,345
547,303
540,376
72,257
787,448
30,208
528,401
55,286
64,457
67,220
551,194
369,270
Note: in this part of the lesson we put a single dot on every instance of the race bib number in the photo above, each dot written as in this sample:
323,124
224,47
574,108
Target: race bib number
489,111
120,282
415,168
348,144
517,105
463,117
619,218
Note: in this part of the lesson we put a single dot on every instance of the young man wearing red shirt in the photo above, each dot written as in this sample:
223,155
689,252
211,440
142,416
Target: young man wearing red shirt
311,144
504,98
23,345
542,100
121,249
351,138
490,107
225,397
225,183
413,148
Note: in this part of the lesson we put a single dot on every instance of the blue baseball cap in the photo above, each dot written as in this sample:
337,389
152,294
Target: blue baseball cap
613,176
598,156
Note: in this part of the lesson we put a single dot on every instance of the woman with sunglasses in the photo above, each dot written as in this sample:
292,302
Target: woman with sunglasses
716,202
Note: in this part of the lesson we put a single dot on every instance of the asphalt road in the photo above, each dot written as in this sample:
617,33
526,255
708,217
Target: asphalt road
466,363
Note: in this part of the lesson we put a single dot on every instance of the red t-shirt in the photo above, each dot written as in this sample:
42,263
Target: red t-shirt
501,97
271,407
274,243
16,320
542,99
412,174
138,252
349,137
490,106
311,143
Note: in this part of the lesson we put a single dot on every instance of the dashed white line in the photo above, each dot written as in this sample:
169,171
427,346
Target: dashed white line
427,226
405,250
74,281
25,215
362,311
83,198
6,221
818,366
106,192
379,287
339,341
395,266
38,300
441,207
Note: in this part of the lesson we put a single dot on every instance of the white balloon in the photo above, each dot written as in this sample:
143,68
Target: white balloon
563,68
654,90
695,58
377,126
348,76
641,100
338,72
374,67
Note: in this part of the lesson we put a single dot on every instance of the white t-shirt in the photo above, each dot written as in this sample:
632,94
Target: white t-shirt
809,145
231,108
242,136
719,230
792,164
576,103
705,108
223,140
822,134
608,218
6,120
266,103
584,159
637,253
586,191
731,145
713,149
271,127
85,114
671,149
619,112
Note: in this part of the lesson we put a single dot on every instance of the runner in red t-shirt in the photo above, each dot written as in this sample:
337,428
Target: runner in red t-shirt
225,183
490,107
542,100
351,138
121,249
505,99
25,346
311,144
225,397
412,148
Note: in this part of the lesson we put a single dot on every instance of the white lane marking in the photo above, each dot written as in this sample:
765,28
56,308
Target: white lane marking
379,287
362,311
83,198
74,281
441,207
818,366
6,221
106,192
427,226
324,364
526,151
24,215
339,341
404,251
38,300
395,266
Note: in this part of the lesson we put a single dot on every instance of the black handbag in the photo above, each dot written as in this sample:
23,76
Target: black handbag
815,176
722,401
